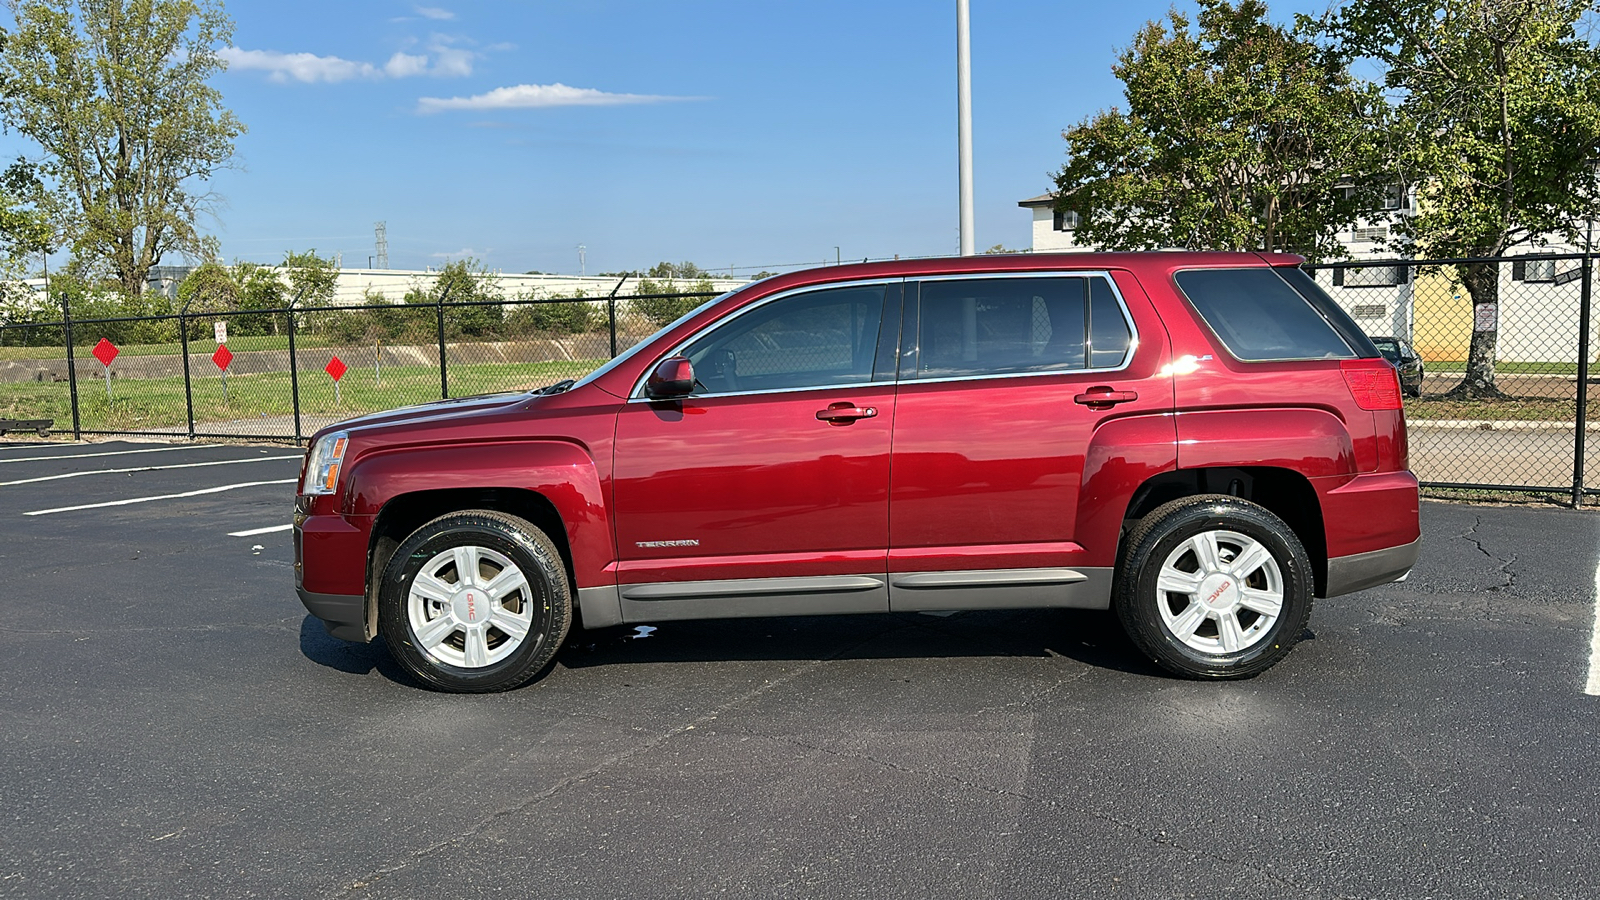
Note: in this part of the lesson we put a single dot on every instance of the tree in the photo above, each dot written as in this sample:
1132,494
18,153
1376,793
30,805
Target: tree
1240,136
468,283
25,222
116,93
1498,104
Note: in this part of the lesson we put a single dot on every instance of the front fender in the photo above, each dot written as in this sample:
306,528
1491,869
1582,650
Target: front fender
563,473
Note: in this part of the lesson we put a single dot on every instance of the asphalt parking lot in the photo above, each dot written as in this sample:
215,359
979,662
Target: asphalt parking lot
174,725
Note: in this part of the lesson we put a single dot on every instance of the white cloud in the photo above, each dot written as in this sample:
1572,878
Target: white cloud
405,65
463,253
452,62
434,12
445,62
304,67
538,96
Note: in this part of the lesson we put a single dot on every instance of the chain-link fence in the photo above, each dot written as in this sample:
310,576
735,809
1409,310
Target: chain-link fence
1495,355
280,374
1501,349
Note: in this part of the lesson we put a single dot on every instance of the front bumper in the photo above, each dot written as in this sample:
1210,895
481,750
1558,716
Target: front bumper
330,569
344,615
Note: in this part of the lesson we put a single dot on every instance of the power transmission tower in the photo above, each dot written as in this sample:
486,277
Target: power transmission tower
382,229
582,260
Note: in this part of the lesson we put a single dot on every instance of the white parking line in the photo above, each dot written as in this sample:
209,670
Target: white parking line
255,531
111,453
1593,687
132,500
216,462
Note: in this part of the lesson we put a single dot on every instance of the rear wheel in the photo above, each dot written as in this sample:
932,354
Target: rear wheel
1214,586
475,601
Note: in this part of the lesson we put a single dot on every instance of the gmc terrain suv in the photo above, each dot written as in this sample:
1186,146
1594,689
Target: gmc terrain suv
1202,442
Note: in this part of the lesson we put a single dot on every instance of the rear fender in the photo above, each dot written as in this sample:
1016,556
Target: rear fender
1313,442
1122,455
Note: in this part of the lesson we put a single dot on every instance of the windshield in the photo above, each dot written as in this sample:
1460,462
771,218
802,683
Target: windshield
629,353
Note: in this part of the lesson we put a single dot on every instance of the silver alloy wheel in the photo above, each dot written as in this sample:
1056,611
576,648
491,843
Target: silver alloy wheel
470,607
1220,592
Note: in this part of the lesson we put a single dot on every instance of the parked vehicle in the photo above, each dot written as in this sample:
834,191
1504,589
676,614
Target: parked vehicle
1202,442
1406,361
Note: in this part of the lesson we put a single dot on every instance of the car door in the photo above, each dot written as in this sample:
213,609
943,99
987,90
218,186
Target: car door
765,492
1005,381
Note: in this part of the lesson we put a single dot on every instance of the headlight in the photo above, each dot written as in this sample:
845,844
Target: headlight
322,469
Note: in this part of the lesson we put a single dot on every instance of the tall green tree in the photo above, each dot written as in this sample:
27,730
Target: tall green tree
1499,116
117,94
1239,135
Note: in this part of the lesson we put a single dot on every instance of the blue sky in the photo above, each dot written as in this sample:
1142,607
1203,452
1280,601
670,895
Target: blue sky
749,134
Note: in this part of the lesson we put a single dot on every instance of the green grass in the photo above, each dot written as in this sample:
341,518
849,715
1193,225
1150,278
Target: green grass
1520,409
1508,368
145,404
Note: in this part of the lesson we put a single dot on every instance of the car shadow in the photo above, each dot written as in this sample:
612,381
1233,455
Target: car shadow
1092,637
322,648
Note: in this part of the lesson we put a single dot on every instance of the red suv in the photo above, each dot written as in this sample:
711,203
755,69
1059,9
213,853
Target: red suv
1201,441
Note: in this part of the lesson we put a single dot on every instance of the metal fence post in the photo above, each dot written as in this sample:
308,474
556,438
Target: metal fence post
1585,297
188,381
294,368
72,366
444,362
611,314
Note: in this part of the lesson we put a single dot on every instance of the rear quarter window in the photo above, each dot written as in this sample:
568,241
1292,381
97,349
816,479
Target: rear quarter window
1259,317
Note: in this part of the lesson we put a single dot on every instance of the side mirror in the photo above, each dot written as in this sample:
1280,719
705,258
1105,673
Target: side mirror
672,378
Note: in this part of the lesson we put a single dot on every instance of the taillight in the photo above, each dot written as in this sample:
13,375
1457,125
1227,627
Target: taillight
1373,383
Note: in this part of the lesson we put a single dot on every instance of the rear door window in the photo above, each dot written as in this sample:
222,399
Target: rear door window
970,327
1259,317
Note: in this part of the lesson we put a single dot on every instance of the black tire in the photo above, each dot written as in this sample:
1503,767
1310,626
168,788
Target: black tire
1150,615
454,660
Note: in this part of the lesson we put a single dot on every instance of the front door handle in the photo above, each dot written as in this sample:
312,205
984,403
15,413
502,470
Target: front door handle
1104,397
845,412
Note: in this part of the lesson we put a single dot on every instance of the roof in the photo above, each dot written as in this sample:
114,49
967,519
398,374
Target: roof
1041,200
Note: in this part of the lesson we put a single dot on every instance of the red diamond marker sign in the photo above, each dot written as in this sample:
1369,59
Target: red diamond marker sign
335,368
222,357
105,351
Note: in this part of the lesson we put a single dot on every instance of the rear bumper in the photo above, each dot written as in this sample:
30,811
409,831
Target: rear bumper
1359,571
344,615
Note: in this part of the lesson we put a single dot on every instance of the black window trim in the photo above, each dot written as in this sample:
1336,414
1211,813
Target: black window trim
889,318
911,328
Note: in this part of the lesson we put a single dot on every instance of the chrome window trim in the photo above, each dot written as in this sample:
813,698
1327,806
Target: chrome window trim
1116,292
637,394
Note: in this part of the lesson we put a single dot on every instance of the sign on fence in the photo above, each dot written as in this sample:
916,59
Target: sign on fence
221,328
222,358
105,351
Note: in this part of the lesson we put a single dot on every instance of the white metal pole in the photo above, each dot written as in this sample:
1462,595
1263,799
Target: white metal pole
964,127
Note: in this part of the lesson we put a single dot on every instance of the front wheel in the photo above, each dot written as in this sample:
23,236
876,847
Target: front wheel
1214,586
475,601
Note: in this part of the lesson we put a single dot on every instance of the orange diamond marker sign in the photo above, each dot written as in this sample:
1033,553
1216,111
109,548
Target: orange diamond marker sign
105,351
222,357
335,368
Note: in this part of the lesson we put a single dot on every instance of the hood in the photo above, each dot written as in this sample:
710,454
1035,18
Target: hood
439,410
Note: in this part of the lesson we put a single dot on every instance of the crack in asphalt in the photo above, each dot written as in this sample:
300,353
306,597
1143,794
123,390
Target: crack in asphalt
619,757
1505,564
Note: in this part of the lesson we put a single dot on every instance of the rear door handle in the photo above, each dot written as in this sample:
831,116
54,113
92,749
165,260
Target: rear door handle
1104,397
843,413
